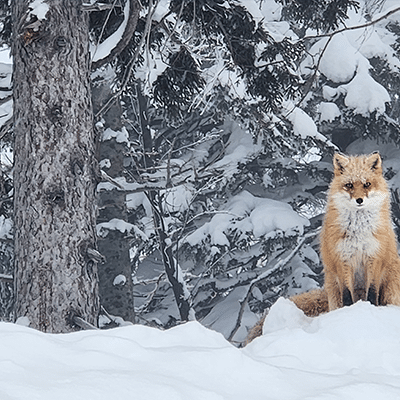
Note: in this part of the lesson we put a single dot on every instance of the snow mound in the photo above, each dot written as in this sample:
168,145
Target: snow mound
350,353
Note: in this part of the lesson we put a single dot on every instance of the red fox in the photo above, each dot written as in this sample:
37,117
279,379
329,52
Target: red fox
358,243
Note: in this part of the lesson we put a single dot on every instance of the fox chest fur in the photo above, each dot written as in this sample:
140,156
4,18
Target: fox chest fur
358,243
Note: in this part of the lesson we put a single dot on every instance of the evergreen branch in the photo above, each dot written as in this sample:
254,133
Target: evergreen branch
265,275
312,79
330,37
352,28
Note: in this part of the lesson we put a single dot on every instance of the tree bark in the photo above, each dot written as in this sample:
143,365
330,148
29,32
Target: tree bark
117,299
55,168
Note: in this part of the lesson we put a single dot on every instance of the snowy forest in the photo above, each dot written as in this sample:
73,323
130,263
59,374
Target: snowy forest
164,168
206,131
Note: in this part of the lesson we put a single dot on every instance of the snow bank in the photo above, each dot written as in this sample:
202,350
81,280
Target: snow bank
351,353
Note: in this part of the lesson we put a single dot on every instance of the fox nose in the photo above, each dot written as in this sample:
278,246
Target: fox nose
359,200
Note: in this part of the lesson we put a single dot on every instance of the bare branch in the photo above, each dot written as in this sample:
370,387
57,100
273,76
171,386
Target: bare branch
151,295
6,278
83,324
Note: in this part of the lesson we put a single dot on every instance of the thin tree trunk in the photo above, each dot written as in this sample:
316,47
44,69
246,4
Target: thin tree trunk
117,299
55,168
172,269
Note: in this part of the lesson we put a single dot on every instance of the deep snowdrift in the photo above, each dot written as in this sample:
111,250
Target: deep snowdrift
352,353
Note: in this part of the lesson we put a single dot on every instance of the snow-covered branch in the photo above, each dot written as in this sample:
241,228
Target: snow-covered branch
130,67
113,45
355,27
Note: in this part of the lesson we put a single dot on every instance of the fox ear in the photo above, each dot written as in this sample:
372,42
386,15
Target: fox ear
374,161
339,163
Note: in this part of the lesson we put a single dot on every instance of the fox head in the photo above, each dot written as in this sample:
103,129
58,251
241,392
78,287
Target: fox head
358,181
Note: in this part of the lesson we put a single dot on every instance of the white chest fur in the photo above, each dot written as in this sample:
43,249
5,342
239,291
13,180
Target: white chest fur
359,225
359,242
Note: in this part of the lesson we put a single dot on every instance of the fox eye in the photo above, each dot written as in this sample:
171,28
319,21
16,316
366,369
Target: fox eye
349,185
367,184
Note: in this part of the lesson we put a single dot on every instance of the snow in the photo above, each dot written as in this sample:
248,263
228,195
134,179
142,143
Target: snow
162,9
303,124
135,200
179,198
239,148
121,136
119,280
340,59
350,353
39,8
119,225
6,111
268,14
364,95
344,60
105,163
361,93
328,112
246,213
5,58
6,227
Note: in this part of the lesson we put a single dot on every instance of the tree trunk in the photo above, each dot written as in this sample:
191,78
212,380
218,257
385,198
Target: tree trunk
117,298
172,269
55,167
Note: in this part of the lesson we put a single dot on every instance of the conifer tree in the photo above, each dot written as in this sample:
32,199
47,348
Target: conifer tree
55,169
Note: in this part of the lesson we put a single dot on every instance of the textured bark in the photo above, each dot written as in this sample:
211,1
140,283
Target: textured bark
116,299
55,168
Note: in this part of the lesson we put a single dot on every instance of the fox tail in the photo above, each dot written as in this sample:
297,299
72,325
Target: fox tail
312,303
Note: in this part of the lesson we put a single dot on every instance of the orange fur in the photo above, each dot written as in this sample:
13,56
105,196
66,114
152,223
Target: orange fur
312,303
